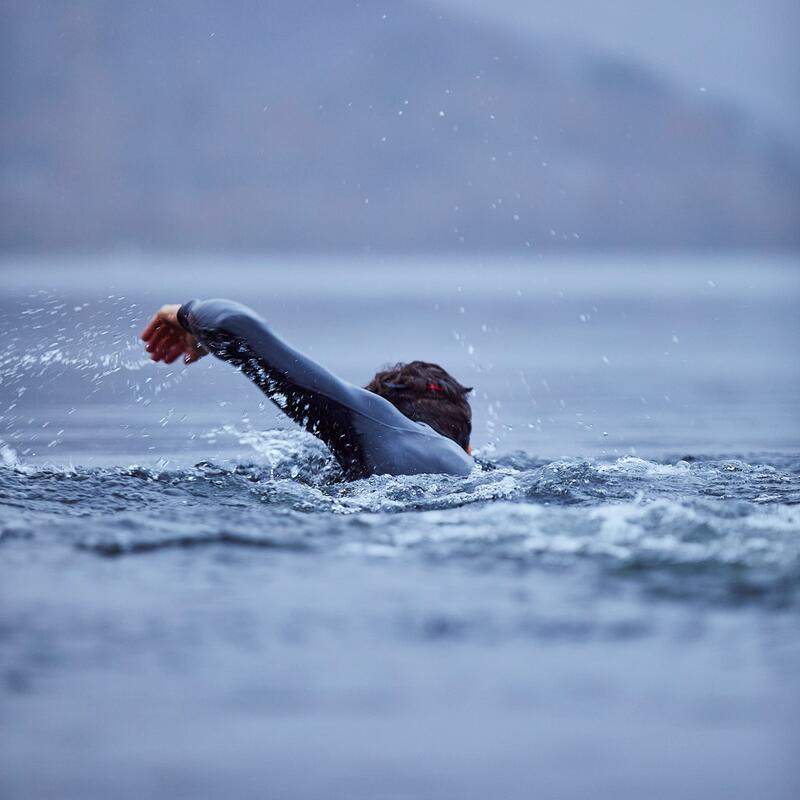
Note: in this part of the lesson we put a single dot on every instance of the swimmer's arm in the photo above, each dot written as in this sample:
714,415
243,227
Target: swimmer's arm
324,404
347,418
238,335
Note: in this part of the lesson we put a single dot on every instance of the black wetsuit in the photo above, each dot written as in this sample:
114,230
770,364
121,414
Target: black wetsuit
365,432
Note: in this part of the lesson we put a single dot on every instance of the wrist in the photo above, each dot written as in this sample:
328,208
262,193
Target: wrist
183,316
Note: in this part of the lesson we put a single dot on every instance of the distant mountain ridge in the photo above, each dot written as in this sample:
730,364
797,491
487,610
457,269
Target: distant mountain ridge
311,125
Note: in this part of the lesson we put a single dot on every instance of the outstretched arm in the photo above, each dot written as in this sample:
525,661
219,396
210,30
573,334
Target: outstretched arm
308,393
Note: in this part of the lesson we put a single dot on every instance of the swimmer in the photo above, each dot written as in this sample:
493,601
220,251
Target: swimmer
410,419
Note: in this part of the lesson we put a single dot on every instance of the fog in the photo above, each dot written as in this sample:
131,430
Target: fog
738,49
376,128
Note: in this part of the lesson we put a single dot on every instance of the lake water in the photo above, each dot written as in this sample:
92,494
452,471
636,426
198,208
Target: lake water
191,605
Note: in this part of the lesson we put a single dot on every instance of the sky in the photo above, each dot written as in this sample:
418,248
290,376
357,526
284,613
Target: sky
229,126
740,50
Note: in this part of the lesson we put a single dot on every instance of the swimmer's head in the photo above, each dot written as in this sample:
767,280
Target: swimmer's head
426,393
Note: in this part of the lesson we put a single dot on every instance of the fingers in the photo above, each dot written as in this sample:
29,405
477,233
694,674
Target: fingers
173,353
194,353
151,328
161,342
167,341
171,349
193,350
161,339
168,351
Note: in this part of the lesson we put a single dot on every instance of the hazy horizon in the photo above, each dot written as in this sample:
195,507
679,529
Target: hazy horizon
342,127
736,50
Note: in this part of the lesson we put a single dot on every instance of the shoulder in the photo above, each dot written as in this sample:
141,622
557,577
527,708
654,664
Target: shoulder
396,445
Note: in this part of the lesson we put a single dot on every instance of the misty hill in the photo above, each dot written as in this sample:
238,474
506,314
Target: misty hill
321,124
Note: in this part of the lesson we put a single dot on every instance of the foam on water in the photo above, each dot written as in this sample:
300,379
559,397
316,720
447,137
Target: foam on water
706,527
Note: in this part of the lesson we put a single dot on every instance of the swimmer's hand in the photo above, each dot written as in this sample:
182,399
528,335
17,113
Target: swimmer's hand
166,339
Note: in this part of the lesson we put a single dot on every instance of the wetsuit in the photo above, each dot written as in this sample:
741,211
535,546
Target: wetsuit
365,432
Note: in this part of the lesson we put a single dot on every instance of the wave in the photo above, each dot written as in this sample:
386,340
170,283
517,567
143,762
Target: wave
704,526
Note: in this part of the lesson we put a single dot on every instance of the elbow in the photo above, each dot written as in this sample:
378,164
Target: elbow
220,314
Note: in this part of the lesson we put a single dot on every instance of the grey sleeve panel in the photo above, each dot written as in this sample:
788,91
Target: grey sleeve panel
366,433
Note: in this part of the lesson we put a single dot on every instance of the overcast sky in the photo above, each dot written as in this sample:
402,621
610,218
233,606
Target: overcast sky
745,50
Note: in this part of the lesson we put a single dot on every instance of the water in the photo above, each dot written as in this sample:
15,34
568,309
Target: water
192,603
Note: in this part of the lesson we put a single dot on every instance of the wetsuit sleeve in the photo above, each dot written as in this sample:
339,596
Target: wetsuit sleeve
308,393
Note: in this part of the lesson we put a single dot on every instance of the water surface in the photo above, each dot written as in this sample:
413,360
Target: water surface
193,604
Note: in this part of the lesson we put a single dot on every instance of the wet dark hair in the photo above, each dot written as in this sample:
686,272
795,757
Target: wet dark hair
426,393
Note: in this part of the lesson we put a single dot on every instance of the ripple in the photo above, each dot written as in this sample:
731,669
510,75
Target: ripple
731,526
